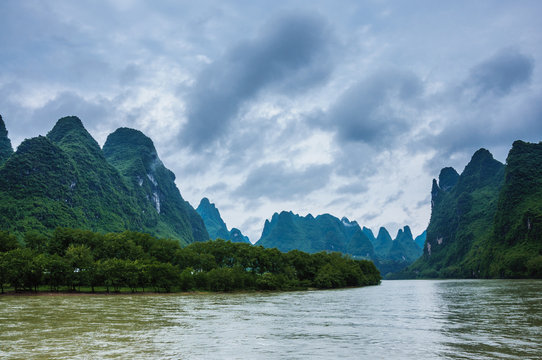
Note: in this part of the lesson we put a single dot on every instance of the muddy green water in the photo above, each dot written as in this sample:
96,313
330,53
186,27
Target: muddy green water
396,320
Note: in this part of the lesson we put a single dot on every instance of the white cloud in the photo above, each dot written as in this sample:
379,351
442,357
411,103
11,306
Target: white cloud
374,108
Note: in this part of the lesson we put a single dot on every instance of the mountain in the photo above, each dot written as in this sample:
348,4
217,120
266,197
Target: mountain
462,219
5,144
383,243
404,248
153,186
64,179
420,239
515,246
369,234
215,225
287,231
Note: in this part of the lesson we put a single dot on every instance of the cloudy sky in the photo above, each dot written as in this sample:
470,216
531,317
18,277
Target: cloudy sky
341,107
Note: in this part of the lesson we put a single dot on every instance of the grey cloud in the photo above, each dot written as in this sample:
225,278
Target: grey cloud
394,197
370,216
501,73
69,103
356,160
220,186
290,55
25,122
371,110
129,74
425,202
489,109
276,181
251,221
353,188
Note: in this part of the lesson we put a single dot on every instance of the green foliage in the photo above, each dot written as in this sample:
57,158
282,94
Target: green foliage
461,220
153,187
65,180
5,144
287,231
75,258
7,241
490,223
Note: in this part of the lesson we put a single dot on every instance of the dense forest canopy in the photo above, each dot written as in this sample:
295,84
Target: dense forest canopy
74,259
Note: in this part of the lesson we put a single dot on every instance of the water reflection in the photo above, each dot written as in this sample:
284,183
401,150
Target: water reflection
399,319
491,319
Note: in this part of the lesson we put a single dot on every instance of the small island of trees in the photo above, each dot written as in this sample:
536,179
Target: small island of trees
80,260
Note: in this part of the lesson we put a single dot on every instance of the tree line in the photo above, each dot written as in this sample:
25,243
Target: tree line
74,259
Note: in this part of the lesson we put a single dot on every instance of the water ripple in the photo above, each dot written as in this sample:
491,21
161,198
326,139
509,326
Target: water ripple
493,319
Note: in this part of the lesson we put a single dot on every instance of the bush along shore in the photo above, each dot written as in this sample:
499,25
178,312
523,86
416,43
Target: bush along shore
79,260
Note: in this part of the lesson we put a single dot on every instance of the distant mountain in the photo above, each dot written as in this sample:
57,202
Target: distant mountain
65,180
369,234
287,231
214,224
5,144
420,239
383,243
403,247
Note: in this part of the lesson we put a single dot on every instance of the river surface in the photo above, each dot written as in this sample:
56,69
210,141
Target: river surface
419,319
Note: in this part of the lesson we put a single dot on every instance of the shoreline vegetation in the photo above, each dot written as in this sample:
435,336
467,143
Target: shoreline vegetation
70,260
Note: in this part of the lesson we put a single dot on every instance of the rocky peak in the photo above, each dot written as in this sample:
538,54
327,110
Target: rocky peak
447,178
69,133
208,211
369,234
482,170
5,144
216,227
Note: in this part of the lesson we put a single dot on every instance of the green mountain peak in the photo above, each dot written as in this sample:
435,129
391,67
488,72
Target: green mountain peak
6,150
133,154
216,227
65,180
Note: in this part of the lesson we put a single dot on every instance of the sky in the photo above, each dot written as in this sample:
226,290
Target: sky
342,107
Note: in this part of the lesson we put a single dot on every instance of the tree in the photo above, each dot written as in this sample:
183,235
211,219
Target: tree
57,271
4,268
24,269
7,241
36,241
80,259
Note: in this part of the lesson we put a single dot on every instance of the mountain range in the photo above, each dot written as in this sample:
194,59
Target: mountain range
66,180
485,222
288,231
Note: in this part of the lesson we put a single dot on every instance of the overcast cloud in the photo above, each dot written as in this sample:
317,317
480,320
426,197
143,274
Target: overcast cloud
341,107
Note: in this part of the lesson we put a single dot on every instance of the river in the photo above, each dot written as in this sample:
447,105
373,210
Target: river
419,319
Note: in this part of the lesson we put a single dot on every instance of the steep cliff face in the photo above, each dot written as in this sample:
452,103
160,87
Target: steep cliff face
463,210
65,180
216,227
5,144
133,154
515,246
420,240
